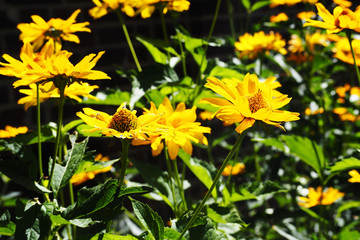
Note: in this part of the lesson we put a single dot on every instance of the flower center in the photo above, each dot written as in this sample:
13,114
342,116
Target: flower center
52,32
256,102
123,120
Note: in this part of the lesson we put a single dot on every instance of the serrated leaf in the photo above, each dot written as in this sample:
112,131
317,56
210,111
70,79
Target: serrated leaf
172,234
273,142
109,236
201,169
109,98
83,130
345,164
63,174
224,72
89,166
7,227
149,219
158,56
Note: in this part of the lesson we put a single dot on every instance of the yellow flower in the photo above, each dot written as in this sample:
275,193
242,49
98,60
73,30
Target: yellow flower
355,176
177,5
206,115
239,168
37,67
48,90
342,18
179,129
345,115
309,112
275,3
82,177
281,17
319,197
305,15
259,43
343,3
248,101
10,131
342,50
54,30
123,124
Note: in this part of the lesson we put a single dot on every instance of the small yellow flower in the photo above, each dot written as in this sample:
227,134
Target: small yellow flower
275,3
260,43
305,15
239,168
10,131
206,115
320,197
179,129
309,112
48,90
341,90
281,17
82,177
54,30
342,18
355,176
248,101
345,115
123,124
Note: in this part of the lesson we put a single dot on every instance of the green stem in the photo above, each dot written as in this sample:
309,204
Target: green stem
132,50
180,185
163,26
182,54
58,140
72,201
124,160
213,185
348,34
171,176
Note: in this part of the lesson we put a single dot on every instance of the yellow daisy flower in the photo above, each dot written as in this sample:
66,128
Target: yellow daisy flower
180,129
54,30
10,131
320,197
123,124
176,5
80,178
248,101
342,18
48,90
355,176
259,43
239,168
281,17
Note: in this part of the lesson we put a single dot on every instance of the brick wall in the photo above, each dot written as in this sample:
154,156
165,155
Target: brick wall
106,35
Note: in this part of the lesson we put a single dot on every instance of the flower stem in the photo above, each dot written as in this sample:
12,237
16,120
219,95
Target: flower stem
348,34
171,176
124,160
132,50
180,185
216,180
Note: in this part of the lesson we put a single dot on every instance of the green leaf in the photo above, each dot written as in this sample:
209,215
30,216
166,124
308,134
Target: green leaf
158,56
149,219
63,174
172,234
246,4
307,150
58,220
72,125
83,130
115,98
224,72
345,164
109,236
314,215
89,166
273,142
201,169
350,232
347,205
7,227
224,215
259,4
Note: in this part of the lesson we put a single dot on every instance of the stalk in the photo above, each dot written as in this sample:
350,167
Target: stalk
180,185
171,176
348,34
124,160
213,185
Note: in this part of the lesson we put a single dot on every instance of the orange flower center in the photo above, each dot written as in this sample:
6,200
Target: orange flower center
256,102
123,120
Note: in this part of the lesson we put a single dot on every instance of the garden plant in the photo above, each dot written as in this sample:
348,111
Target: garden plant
260,144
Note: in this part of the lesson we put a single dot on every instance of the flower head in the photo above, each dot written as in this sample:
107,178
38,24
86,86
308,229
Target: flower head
48,90
179,129
123,124
259,43
355,176
342,18
281,17
54,30
239,168
320,197
10,131
249,100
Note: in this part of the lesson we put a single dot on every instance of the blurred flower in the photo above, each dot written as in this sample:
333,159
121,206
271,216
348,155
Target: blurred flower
343,3
54,30
342,50
342,18
309,112
48,90
345,115
10,131
47,65
319,197
248,101
275,3
180,129
206,115
355,176
281,17
305,15
239,168
82,177
259,43
123,124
